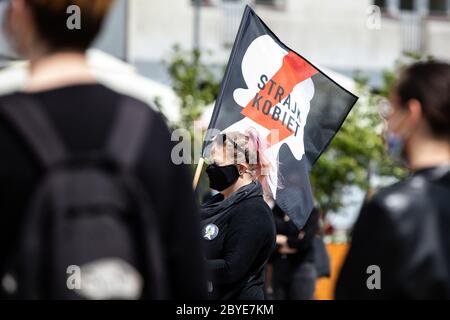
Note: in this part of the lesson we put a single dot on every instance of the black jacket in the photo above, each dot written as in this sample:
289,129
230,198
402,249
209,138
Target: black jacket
83,115
245,238
405,231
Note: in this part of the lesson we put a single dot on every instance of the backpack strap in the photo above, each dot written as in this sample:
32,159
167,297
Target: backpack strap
27,116
129,132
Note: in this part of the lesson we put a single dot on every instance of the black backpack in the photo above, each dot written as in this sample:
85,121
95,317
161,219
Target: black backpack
90,231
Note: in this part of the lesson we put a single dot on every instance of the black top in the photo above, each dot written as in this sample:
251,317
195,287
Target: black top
403,231
83,115
238,253
302,241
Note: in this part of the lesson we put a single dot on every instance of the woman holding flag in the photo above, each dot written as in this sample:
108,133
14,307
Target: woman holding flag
238,227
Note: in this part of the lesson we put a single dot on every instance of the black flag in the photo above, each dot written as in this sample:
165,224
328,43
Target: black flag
290,102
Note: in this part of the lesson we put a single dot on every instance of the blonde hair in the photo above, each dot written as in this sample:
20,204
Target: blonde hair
246,148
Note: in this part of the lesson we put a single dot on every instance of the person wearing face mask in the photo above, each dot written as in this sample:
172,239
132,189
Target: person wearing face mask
400,244
238,227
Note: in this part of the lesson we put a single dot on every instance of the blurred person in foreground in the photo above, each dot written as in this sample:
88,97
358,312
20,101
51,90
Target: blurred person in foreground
400,244
84,116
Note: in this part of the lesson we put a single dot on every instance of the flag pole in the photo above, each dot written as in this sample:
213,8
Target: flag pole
198,173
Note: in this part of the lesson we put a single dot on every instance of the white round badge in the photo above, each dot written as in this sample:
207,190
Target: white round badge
210,232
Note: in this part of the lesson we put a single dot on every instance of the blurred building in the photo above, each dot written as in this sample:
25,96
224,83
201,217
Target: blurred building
344,35
108,60
339,36
113,40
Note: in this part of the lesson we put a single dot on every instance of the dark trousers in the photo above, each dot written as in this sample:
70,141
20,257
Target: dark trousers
293,281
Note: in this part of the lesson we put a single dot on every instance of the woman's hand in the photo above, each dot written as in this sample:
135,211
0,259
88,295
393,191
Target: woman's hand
282,242
287,250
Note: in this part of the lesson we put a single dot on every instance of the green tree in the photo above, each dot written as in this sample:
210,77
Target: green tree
193,81
197,86
354,155
357,152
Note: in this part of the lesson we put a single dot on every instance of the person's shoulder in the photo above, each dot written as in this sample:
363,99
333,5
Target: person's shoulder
10,95
256,202
12,146
158,125
254,209
402,199
5,100
136,103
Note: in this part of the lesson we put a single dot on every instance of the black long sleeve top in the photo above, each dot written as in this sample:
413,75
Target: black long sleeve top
237,256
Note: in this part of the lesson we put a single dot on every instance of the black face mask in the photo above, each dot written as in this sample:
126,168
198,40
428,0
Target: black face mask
220,178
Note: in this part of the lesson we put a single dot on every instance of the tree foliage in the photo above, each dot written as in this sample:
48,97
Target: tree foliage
358,150
193,81
356,153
